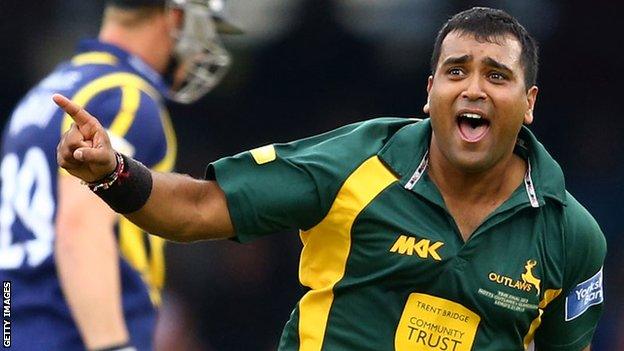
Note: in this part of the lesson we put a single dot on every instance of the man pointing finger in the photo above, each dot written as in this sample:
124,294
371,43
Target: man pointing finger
407,224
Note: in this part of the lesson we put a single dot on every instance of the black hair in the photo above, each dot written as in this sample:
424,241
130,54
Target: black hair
488,24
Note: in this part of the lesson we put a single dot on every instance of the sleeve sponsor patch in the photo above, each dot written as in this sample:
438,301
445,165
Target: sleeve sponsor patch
583,296
263,154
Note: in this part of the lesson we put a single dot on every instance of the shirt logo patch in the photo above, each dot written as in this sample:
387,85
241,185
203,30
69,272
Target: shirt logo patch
527,283
409,245
528,276
583,296
431,323
264,154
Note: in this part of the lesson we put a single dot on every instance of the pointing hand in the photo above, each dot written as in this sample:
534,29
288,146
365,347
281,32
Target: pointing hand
84,150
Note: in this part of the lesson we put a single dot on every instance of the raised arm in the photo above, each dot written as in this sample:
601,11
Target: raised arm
178,207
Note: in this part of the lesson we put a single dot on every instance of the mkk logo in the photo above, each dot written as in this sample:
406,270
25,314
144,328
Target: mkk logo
528,280
409,245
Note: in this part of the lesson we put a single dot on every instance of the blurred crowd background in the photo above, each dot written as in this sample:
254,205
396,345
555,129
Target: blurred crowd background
306,66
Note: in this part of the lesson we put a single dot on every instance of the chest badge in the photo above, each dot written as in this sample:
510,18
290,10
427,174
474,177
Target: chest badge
528,276
527,282
516,300
423,248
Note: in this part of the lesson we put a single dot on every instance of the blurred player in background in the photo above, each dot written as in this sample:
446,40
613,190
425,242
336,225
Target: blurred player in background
81,277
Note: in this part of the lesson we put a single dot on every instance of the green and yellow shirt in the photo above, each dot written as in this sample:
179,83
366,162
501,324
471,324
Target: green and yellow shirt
385,264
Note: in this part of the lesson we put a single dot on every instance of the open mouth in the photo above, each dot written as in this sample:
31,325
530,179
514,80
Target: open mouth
472,126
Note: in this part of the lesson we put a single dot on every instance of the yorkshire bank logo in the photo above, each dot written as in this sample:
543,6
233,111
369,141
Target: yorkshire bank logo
527,283
423,248
583,296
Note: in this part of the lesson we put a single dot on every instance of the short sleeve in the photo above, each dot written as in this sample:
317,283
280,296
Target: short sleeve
293,185
569,322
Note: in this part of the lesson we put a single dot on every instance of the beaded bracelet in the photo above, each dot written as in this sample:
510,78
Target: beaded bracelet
110,179
128,188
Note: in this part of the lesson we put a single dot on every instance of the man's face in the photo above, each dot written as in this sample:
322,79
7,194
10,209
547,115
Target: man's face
478,101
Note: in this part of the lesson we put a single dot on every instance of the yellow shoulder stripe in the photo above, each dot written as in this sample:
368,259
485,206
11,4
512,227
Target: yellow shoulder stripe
130,99
157,266
327,245
113,80
131,245
151,267
94,58
549,295
125,80
168,162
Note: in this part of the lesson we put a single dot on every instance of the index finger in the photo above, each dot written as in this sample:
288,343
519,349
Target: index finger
77,113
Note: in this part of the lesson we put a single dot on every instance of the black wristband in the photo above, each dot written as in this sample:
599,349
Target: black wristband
131,190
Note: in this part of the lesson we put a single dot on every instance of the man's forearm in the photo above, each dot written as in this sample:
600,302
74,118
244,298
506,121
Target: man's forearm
181,208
